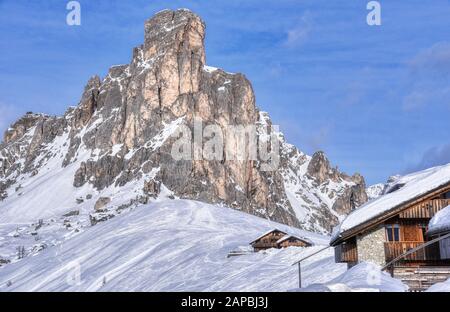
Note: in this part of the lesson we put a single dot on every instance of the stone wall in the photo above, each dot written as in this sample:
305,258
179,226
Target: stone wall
371,246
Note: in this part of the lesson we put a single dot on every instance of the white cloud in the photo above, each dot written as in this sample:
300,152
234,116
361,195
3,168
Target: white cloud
300,32
435,59
434,156
429,73
427,94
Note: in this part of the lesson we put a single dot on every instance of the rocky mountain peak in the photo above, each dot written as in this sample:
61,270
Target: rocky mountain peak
120,136
181,31
319,167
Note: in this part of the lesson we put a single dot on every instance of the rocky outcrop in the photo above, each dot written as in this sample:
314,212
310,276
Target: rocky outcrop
88,103
319,168
320,194
353,196
152,188
3,192
102,202
123,131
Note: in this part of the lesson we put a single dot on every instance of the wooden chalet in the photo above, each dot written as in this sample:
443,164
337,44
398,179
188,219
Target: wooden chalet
386,228
268,240
278,239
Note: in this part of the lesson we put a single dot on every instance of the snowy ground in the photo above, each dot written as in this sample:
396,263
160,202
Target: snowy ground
171,245
364,277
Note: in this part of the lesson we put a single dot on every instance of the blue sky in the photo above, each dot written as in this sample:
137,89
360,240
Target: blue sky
375,99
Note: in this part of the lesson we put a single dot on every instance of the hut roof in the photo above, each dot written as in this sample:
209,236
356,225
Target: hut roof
287,236
266,233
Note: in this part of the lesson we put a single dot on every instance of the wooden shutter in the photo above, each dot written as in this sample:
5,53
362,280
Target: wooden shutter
411,233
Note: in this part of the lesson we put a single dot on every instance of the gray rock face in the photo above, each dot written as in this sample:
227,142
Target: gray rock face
353,197
120,133
22,144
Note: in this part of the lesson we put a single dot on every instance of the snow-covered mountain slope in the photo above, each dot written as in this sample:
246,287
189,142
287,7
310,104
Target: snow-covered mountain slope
320,195
171,245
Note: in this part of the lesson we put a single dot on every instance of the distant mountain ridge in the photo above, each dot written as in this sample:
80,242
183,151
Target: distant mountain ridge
376,190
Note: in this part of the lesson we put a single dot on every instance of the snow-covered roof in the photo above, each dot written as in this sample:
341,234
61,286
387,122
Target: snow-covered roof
440,222
268,232
287,236
404,190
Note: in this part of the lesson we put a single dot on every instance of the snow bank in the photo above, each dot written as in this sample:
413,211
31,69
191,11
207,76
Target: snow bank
440,222
404,189
364,277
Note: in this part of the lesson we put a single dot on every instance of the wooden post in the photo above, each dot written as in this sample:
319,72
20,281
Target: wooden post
299,275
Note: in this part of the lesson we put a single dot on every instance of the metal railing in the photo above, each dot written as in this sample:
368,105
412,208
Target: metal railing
395,249
303,259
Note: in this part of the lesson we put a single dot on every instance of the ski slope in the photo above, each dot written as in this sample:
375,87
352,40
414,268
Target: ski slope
171,245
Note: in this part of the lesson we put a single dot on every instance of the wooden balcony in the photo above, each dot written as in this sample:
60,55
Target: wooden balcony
424,210
394,249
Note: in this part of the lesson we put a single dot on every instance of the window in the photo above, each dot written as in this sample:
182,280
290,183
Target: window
393,232
447,195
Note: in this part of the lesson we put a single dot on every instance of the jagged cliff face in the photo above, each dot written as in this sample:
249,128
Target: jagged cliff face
121,133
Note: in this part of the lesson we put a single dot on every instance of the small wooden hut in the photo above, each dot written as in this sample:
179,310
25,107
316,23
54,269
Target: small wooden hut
278,239
291,240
